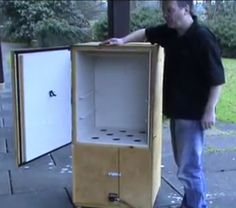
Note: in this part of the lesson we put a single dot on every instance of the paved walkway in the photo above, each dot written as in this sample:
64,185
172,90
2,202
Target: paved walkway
47,181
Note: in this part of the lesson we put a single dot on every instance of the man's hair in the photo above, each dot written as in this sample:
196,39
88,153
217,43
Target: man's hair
184,3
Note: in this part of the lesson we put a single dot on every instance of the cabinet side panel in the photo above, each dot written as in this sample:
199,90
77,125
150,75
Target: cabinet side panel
136,176
91,180
158,63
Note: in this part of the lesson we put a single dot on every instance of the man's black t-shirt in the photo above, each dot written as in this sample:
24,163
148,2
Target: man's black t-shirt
192,65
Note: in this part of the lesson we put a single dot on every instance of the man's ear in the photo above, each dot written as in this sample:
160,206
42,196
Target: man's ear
187,9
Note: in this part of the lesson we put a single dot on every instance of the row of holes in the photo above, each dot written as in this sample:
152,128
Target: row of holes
117,139
122,131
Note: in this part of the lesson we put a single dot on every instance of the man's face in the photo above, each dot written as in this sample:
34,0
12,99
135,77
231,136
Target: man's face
173,14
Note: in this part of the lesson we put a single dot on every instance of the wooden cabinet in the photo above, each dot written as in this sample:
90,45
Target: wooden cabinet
116,112
108,100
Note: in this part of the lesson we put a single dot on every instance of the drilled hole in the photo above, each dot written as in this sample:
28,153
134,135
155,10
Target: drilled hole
116,139
122,131
142,132
137,140
95,138
103,130
130,135
109,134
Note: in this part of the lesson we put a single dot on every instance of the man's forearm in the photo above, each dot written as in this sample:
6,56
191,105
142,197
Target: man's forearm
214,96
136,36
209,117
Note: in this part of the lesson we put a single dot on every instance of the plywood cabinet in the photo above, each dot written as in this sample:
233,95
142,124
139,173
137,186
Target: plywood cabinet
116,111
107,100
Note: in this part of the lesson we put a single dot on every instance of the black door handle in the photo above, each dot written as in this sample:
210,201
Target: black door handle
52,93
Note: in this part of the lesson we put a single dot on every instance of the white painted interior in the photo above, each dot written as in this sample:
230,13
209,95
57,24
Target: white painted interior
47,120
116,136
113,95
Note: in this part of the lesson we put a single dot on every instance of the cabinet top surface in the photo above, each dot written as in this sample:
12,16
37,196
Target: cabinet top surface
131,45
94,46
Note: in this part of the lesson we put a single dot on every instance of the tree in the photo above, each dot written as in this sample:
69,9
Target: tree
51,22
100,30
92,10
144,17
222,21
135,4
141,17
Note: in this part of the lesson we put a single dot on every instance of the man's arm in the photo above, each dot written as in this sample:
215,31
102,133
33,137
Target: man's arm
136,36
209,116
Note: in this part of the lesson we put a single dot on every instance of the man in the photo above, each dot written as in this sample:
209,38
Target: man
193,75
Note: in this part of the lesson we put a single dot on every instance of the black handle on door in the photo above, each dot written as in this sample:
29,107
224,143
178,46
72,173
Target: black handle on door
52,93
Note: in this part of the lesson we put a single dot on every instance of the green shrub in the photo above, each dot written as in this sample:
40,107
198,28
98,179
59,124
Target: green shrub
52,32
100,30
145,17
51,22
140,18
223,24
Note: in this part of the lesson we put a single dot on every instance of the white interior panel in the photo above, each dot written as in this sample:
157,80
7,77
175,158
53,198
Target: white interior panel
47,118
86,91
113,98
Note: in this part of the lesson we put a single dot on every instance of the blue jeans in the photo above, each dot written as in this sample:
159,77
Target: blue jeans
187,142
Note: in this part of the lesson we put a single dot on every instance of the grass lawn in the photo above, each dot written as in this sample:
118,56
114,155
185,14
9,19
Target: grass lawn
226,109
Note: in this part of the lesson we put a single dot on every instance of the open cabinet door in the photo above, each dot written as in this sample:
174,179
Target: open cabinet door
42,101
